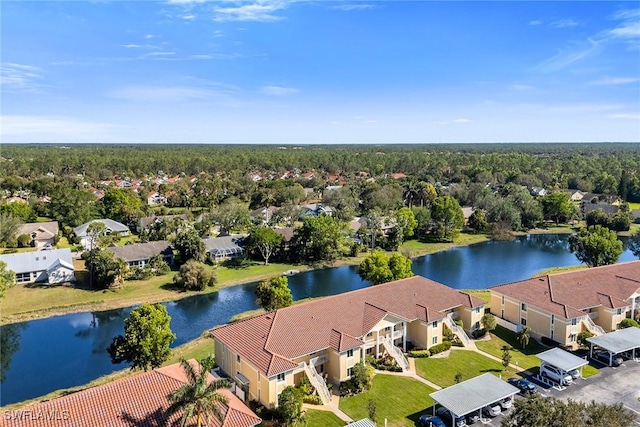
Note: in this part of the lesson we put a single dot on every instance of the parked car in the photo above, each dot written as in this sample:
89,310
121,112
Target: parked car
506,403
525,386
473,417
492,410
574,374
604,358
446,416
555,374
428,421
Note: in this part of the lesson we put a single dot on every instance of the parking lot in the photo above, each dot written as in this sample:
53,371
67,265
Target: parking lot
611,385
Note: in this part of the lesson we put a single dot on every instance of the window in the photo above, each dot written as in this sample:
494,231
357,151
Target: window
321,369
280,378
523,321
23,277
477,310
476,325
502,314
572,337
370,350
434,324
574,321
553,319
238,358
523,307
619,311
349,353
349,372
503,299
434,340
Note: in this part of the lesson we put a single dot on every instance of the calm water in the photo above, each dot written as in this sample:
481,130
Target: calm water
59,352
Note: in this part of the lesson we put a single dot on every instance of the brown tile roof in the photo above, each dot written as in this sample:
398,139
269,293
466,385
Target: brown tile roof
139,400
567,294
271,341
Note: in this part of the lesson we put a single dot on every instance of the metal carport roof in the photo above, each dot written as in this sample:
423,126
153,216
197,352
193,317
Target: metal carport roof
476,393
562,359
618,341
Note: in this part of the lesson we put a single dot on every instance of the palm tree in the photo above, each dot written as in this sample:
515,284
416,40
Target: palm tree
199,397
524,336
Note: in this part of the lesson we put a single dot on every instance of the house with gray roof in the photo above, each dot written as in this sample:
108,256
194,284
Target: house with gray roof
139,254
111,227
226,247
54,266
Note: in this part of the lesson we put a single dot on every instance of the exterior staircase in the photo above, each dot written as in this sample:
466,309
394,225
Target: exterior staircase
592,327
318,383
396,353
458,331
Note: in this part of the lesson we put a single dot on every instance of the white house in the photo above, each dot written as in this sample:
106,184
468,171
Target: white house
111,227
54,266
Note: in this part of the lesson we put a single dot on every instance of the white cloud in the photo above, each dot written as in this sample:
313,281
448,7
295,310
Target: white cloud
160,54
612,81
278,90
353,6
20,77
149,36
535,22
626,30
18,128
138,46
167,93
258,11
626,14
564,23
631,116
188,17
565,58
218,33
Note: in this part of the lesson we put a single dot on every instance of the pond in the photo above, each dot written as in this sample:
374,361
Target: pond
44,355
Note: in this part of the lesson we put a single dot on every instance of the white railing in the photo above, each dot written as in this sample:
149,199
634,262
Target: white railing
460,333
318,383
397,334
591,326
396,353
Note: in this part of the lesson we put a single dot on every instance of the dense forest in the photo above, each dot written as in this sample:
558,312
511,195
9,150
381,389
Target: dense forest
589,167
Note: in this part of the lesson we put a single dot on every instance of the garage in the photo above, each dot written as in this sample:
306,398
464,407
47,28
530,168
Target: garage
617,342
473,395
560,366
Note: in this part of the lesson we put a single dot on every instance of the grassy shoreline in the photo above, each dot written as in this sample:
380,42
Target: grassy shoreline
33,301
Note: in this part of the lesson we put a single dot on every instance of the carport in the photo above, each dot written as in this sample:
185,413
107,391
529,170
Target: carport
562,360
617,342
473,395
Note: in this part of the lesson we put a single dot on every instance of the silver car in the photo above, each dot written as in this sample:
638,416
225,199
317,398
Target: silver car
555,374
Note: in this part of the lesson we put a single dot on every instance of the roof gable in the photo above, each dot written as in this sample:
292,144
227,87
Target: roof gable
25,262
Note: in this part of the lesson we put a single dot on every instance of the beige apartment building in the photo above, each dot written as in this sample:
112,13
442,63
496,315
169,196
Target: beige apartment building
325,338
562,305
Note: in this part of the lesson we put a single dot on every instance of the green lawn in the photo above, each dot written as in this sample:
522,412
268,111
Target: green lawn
442,370
317,418
416,247
554,270
400,400
501,336
589,371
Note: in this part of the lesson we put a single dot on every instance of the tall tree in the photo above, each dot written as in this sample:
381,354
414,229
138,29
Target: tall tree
524,336
200,397
73,207
448,217
105,271
231,216
189,245
195,276
274,293
20,210
290,406
121,205
147,338
321,238
378,267
596,246
538,411
557,207
7,278
265,240
9,227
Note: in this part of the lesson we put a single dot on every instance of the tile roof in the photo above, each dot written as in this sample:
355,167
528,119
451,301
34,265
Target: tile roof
272,340
139,400
567,294
142,251
81,230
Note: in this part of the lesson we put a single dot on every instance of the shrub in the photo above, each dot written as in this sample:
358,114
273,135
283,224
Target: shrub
447,334
627,323
582,338
419,353
24,241
140,273
478,333
194,275
439,348
312,399
459,323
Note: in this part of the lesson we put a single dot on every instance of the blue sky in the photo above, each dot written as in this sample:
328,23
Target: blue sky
283,71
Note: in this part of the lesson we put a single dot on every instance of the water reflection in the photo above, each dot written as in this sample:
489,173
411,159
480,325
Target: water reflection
9,344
